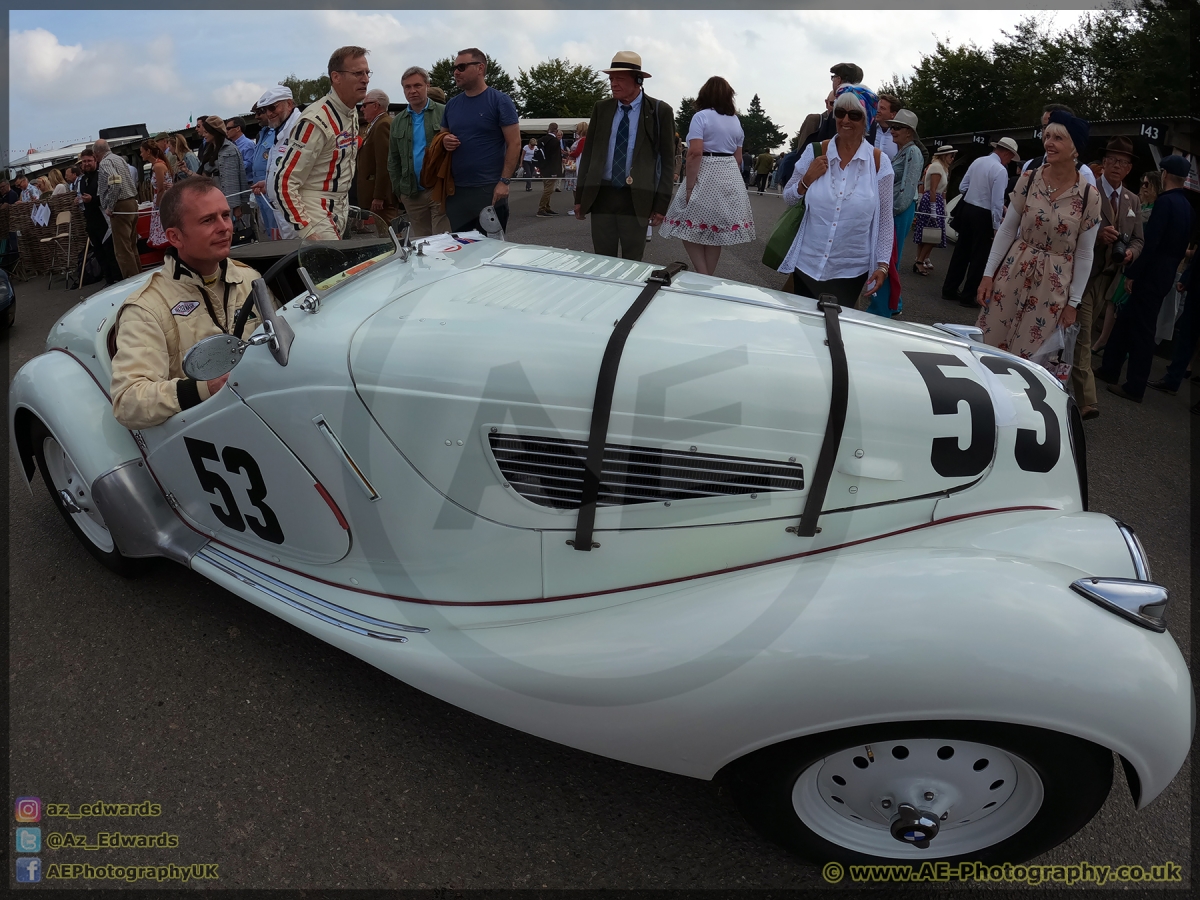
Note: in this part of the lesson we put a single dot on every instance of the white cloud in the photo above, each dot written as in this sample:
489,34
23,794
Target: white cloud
37,55
239,95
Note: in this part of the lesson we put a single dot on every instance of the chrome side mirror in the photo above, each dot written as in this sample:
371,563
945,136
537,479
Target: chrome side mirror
213,357
217,355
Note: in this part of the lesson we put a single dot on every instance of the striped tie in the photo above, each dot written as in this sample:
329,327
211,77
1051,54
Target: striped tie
621,150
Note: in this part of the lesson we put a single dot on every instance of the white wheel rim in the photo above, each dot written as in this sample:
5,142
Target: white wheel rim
977,805
65,477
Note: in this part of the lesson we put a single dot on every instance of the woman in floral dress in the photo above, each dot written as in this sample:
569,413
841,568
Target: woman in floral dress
1042,254
160,178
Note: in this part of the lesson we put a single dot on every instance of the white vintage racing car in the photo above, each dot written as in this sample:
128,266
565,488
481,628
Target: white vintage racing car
680,521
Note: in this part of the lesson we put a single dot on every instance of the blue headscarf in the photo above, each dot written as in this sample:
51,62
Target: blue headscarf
1076,127
866,96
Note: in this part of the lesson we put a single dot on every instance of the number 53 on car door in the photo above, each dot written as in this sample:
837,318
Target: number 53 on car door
234,479
947,392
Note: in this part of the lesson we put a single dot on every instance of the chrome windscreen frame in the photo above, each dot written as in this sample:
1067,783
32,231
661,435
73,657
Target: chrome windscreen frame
1141,562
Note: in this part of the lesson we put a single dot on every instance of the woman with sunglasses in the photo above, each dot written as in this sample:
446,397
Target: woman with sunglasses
844,243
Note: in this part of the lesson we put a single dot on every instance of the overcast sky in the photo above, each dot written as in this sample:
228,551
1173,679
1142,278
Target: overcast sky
74,72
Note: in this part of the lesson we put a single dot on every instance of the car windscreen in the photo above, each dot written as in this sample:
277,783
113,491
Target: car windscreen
330,263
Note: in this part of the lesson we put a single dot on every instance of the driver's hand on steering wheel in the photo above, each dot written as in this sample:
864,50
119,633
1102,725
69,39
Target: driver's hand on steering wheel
215,384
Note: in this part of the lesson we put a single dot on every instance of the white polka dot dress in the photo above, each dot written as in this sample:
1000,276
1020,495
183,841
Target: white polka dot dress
719,211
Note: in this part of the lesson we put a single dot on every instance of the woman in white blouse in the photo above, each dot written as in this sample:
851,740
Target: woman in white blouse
841,248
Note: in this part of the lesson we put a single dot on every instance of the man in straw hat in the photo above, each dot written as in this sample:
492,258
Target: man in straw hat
977,219
626,169
1119,242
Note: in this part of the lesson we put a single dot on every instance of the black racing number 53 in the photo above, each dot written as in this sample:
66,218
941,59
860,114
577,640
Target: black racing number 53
235,460
945,394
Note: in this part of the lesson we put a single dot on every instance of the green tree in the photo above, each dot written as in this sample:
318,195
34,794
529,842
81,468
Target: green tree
1116,63
557,88
441,74
761,133
683,118
306,90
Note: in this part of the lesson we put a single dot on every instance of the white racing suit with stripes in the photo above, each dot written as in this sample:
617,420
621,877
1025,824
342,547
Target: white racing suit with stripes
284,230
317,169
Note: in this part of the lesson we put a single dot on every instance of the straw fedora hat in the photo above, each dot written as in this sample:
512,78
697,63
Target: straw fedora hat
626,61
905,118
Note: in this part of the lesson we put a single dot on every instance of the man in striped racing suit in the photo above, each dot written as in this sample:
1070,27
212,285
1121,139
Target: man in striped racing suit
317,168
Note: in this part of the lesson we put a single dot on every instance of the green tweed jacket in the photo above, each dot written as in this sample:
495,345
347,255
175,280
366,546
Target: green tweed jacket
653,157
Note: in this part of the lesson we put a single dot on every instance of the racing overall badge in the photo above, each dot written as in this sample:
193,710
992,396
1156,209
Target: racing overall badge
184,307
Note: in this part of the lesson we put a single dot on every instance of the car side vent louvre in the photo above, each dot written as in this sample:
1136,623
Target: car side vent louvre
549,472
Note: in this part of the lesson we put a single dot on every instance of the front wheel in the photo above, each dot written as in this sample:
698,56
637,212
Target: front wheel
916,791
72,497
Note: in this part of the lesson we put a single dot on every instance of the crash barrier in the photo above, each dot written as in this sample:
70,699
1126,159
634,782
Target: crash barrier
33,256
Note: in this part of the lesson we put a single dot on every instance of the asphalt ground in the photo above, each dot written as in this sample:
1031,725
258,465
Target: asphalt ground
290,764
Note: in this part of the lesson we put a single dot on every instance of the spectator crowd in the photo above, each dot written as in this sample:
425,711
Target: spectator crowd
1059,256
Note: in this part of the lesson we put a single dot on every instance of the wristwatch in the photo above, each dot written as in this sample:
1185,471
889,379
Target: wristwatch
506,181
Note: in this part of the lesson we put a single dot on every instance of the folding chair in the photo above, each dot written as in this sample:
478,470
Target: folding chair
60,259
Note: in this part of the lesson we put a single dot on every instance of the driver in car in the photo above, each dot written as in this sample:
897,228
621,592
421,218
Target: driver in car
196,294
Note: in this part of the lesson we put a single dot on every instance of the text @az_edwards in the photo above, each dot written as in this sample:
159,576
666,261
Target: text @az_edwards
1079,873
102,809
111,840
112,872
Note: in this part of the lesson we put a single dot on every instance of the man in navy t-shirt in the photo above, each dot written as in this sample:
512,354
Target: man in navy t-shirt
485,143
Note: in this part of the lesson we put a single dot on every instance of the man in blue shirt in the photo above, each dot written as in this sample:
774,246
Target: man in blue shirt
412,130
1147,279
233,129
263,143
484,139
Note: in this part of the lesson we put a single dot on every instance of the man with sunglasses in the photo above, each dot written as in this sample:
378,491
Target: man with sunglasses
317,168
484,140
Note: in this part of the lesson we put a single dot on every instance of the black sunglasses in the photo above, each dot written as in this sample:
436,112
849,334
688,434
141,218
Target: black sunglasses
853,114
462,67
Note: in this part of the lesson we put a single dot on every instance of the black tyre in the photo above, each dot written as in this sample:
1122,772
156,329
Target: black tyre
63,481
970,791
9,316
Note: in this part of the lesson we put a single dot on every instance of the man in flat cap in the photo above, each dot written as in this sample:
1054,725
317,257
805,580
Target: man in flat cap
279,109
1147,279
1118,243
627,167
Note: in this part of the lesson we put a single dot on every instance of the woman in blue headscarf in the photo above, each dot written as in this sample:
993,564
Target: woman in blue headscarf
844,245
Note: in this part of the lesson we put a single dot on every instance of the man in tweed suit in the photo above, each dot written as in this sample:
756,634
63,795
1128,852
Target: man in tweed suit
627,168
1120,215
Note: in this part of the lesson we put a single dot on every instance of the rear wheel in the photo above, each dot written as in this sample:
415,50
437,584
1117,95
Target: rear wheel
72,497
923,791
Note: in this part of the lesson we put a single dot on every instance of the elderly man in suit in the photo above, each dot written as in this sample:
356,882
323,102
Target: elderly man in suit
373,183
1148,279
1120,227
627,166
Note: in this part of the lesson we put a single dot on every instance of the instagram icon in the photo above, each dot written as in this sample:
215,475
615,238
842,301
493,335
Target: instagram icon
28,809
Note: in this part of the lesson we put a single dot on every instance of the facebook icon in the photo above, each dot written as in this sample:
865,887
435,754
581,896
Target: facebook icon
29,868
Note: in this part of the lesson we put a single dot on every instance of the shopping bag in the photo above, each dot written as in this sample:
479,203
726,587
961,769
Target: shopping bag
1057,352
780,241
784,232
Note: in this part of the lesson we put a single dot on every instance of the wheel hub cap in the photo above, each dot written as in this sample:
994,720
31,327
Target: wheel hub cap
920,798
914,826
